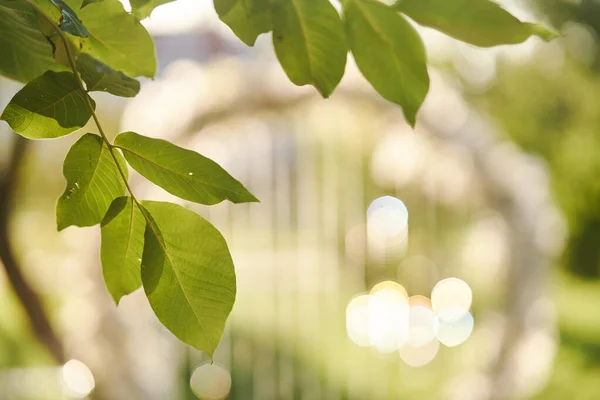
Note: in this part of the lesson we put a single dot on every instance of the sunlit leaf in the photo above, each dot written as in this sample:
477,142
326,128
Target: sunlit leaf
181,172
93,182
479,22
122,246
309,41
246,18
100,77
188,274
48,107
143,8
24,51
116,38
389,53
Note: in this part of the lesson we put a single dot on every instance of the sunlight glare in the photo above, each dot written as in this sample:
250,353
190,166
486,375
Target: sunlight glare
421,319
453,332
451,298
387,217
388,317
357,320
211,382
418,356
77,379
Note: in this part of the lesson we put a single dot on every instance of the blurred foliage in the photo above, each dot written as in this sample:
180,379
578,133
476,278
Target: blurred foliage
555,113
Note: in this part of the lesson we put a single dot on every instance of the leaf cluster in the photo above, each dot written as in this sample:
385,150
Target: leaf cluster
63,50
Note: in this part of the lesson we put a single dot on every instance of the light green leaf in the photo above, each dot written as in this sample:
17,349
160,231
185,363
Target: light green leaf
181,172
87,2
100,77
478,22
24,51
246,18
188,274
389,53
117,38
122,247
143,8
48,107
93,182
69,21
309,42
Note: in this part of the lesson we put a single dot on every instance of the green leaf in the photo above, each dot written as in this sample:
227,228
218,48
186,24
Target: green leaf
69,21
87,2
181,172
246,18
309,41
117,38
24,51
100,77
48,107
122,247
389,53
188,274
478,22
93,182
143,8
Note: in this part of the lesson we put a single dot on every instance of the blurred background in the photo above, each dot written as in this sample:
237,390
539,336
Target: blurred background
500,179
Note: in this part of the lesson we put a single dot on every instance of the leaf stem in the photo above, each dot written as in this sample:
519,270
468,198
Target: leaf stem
86,96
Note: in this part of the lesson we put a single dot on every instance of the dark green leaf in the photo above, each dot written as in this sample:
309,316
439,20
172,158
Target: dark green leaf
181,172
48,107
122,246
246,18
69,22
100,77
389,53
188,274
24,51
479,22
93,182
309,42
117,38
143,8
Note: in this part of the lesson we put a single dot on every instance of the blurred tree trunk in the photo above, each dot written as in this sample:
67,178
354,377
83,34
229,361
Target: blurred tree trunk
26,294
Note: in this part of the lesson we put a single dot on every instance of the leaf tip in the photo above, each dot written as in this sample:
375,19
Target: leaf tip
544,33
411,118
324,92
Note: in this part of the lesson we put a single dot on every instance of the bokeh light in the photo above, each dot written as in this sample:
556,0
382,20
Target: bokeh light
211,382
453,332
421,321
388,317
357,320
387,217
451,299
418,356
77,379
398,159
